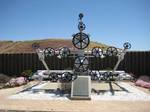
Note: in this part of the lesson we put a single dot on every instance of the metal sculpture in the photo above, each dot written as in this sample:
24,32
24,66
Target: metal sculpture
81,41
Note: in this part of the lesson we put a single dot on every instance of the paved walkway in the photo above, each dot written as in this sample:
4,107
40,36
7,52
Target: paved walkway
69,106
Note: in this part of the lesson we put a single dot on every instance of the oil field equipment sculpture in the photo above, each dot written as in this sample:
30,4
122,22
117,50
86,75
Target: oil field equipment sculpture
81,41
81,75
81,87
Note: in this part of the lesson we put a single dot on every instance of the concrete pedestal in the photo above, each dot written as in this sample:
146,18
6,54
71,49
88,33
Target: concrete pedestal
81,88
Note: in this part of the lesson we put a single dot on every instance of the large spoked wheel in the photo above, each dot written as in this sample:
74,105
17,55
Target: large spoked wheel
49,52
64,52
80,40
81,64
127,45
97,52
53,77
35,45
111,51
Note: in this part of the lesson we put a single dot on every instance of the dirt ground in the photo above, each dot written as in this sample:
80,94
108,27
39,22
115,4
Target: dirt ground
13,105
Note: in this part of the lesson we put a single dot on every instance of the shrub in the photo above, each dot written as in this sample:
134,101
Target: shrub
4,78
27,73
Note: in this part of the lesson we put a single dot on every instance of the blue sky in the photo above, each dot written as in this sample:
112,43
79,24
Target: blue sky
111,22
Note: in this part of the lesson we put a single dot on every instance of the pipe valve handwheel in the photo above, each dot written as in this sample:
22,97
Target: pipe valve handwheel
111,51
64,52
127,45
81,40
81,64
53,77
97,52
49,52
81,26
66,77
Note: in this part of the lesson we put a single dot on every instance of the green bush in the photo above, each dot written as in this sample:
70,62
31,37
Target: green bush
27,73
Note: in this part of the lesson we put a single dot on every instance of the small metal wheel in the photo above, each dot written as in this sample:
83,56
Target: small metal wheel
49,52
111,51
64,52
81,64
94,76
107,76
35,45
81,16
53,77
74,76
80,40
66,77
100,76
81,26
97,52
127,45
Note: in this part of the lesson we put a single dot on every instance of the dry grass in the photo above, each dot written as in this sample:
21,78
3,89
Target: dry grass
26,46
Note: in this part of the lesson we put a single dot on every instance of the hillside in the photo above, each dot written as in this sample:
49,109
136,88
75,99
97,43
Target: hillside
26,46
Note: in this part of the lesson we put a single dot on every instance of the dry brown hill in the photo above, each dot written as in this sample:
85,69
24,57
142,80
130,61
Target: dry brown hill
26,46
